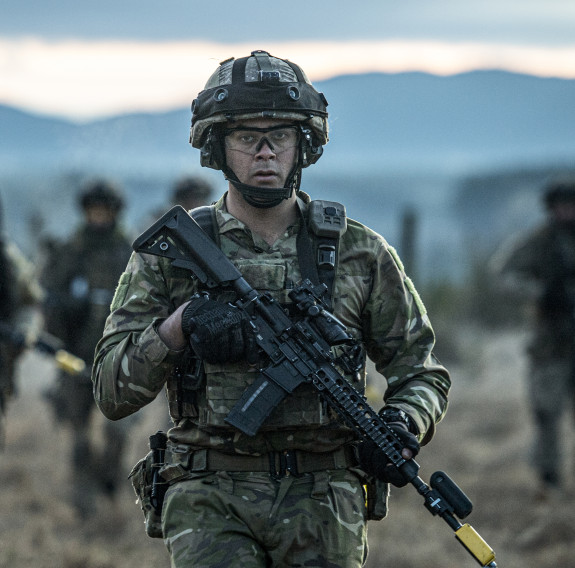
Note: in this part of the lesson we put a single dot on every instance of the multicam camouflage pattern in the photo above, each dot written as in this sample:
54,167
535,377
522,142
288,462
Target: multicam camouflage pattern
528,265
550,391
28,290
142,480
250,520
372,296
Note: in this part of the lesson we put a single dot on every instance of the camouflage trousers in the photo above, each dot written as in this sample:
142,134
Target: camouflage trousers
218,520
551,389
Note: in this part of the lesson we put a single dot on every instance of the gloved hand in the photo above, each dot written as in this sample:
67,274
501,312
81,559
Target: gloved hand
374,462
218,333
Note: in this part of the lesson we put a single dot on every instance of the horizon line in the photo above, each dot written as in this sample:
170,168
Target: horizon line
72,79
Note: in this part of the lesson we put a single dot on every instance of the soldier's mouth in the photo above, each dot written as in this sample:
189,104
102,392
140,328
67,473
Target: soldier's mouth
265,176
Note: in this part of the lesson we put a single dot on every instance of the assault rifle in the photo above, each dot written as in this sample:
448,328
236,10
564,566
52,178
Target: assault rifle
300,352
43,343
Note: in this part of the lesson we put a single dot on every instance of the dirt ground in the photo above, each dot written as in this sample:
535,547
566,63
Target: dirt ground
483,444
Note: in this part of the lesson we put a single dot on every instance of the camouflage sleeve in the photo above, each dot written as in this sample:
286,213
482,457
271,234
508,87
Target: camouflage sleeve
28,290
28,293
399,340
517,265
131,362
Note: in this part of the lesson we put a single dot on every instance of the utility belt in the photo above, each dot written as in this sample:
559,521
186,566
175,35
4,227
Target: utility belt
168,463
180,461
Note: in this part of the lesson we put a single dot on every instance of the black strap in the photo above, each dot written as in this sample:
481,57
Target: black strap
311,253
263,61
306,258
239,70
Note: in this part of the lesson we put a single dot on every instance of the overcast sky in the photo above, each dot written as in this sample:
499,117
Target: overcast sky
95,58
541,22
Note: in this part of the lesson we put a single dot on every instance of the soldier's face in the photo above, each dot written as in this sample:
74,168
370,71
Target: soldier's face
100,216
262,159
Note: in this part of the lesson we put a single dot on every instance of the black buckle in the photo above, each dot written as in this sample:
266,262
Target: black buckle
326,255
283,464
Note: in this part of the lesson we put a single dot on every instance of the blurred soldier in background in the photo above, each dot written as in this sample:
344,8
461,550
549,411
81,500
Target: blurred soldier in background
540,268
190,192
20,297
80,277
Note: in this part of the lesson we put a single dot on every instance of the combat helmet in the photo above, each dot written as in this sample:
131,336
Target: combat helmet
259,86
190,187
101,192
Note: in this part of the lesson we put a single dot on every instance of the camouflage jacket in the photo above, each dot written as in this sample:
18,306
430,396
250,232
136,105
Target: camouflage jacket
539,269
372,296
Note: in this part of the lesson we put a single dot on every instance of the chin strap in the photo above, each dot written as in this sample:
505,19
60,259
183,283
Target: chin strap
265,197
261,198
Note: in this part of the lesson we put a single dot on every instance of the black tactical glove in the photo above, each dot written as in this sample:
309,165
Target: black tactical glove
218,333
373,460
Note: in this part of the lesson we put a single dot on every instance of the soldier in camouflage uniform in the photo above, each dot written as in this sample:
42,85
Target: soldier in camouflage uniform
539,268
20,297
232,500
80,277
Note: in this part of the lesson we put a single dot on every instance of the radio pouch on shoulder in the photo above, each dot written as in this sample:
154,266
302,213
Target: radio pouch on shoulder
317,256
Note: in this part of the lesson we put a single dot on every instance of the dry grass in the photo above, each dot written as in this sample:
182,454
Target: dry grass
483,444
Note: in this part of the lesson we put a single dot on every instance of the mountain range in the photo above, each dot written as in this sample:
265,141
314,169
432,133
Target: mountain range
396,141
404,120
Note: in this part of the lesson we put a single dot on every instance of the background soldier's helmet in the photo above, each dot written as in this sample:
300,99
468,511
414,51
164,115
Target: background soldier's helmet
101,192
559,191
258,86
191,188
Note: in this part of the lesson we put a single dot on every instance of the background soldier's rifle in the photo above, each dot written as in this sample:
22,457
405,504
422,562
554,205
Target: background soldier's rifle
43,343
300,352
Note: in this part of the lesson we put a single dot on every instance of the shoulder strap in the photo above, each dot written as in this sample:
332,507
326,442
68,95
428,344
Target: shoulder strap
326,222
